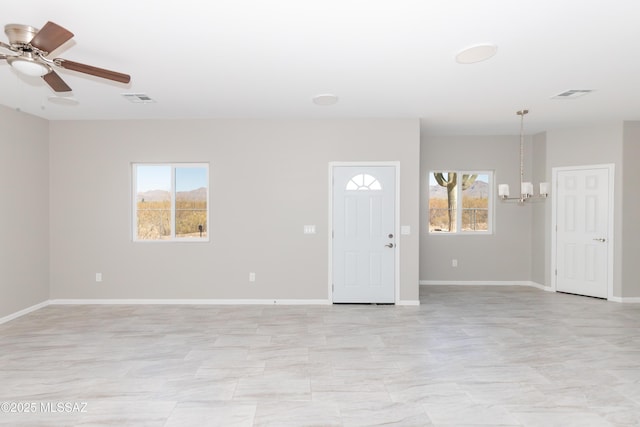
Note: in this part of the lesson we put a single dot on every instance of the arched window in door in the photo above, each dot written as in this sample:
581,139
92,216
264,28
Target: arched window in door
364,182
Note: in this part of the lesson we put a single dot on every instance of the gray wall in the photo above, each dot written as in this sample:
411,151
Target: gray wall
595,145
69,216
521,247
631,210
24,236
503,256
268,179
540,215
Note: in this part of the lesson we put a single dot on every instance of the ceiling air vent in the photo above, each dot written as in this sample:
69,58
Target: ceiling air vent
138,98
572,94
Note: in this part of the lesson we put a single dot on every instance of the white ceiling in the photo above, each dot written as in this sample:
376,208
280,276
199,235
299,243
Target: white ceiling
392,59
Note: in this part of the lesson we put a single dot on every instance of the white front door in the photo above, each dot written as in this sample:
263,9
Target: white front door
364,241
583,224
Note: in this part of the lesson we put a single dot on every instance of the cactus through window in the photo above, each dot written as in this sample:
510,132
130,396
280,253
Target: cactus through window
459,201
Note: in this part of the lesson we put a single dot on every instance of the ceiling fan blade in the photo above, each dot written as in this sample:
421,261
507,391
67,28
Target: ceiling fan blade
56,83
4,45
94,71
50,37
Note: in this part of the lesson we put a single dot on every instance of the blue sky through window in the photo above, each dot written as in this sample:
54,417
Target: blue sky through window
153,177
188,179
158,177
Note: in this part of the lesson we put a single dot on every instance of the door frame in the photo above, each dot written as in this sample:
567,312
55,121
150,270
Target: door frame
396,225
610,229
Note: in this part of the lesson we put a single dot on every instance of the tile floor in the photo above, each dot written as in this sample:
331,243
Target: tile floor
483,356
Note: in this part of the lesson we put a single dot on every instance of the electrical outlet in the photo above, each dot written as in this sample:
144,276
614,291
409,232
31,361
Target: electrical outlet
252,277
98,277
454,263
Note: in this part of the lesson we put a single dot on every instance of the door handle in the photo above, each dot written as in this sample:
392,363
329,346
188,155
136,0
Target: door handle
601,239
390,245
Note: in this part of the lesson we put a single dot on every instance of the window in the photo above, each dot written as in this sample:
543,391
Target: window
460,202
364,182
171,202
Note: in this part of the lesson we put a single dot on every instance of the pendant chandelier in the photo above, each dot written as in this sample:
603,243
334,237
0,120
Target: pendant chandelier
526,188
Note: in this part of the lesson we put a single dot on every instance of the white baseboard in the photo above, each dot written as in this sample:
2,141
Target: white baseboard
23,312
190,301
485,283
413,302
204,302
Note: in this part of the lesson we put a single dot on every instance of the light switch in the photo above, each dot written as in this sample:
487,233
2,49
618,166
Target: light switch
309,229
405,229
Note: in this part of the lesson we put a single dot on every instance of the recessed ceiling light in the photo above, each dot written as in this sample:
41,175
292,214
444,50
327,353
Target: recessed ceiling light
325,99
477,53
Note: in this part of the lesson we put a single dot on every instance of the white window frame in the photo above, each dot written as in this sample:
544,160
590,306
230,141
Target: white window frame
172,191
490,204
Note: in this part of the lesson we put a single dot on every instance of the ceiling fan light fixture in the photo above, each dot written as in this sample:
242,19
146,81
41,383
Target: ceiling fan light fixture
32,46
28,66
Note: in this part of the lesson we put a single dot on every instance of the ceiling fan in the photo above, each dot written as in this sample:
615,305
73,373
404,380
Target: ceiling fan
29,49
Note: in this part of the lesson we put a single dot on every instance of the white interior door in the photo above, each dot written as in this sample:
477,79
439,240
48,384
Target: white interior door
582,241
364,241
